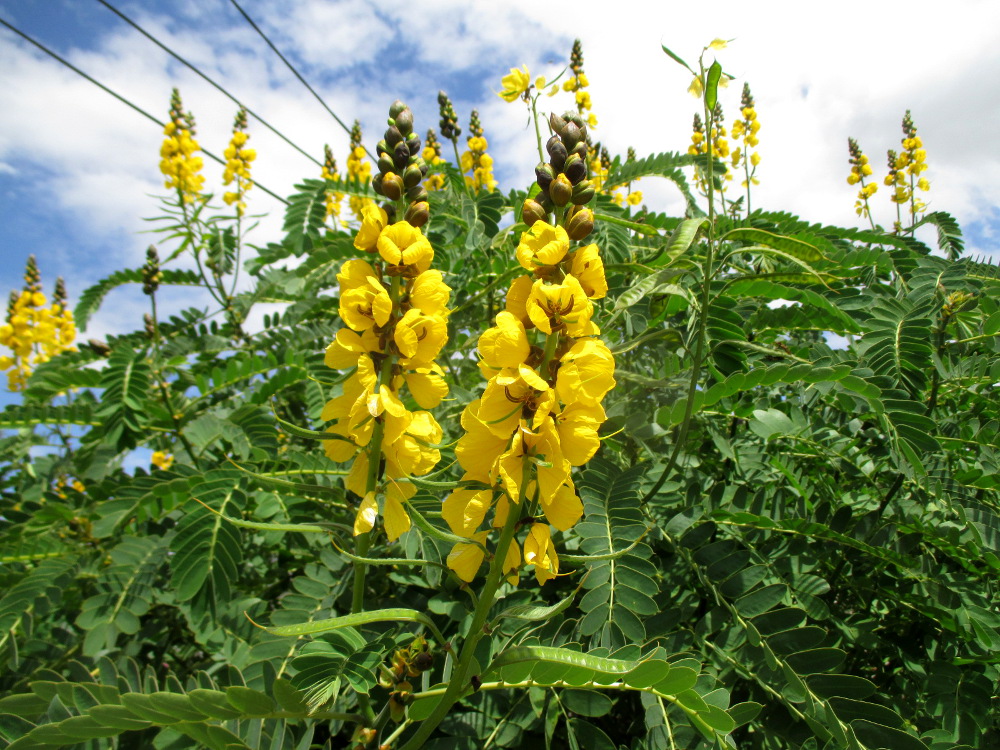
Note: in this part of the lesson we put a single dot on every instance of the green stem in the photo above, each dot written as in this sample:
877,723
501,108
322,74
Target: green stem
164,393
459,676
538,132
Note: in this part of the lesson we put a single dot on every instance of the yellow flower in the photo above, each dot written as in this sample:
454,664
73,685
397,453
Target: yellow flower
478,449
540,553
373,221
588,268
465,510
429,293
543,244
586,373
577,426
366,306
161,460
426,384
563,306
403,244
515,83
517,300
465,559
419,337
506,344
511,395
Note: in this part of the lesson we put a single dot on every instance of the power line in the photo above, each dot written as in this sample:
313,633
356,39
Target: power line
169,51
120,98
291,67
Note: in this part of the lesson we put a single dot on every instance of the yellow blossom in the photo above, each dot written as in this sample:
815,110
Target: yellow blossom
540,553
515,83
403,244
465,559
542,244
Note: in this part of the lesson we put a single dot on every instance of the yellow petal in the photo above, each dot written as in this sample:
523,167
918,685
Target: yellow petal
464,510
465,559
367,513
397,521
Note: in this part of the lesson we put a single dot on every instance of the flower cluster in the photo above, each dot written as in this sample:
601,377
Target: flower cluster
578,84
745,130
860,169
476,160
396,316
432,156
719,145
33,332
333,199
358,169
401,167
238,159
547,373
630,197
449,119
178,162
906,167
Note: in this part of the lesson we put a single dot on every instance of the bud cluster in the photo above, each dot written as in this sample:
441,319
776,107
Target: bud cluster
432,156
358,169
401,167
33,332
406,664
178,162
449,119
547,374
396,317
476,160
745,129
563,179
578,83
860,169
151,275
333,199
238,159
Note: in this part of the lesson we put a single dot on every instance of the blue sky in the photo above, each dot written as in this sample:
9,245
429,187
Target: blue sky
78,170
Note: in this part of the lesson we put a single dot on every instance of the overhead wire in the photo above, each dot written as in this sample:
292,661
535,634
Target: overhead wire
292,68
232,98
119,97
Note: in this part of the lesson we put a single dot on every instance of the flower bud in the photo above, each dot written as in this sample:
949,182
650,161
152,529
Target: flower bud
416,193
532,211
580,224
390,211
575,168
382,147
557,152
583,193
560,190
393,136
377,183
404,121
99,348
385,164
571,135
544,174
543,200
557,123
400,155
423,661
580,150
396,108
413,143
417,214
411,176
392,186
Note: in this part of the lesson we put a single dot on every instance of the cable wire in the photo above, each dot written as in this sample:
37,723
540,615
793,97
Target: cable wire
291,67
232,98
119,97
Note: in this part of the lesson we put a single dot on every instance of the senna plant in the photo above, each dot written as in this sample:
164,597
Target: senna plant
544,468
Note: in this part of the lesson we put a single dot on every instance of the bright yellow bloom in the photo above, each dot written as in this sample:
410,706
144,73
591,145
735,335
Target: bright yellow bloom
348,347
506,344
540,553
419,337
373,221
429,293
426,384
563,306
465,559
517,299
588,268
543,244
366,306
478,449
403,244
515,83
577,426
465,510
586,373
161,460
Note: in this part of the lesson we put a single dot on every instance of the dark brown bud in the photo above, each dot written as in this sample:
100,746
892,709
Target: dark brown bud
382,147
575,168
557,123
417,214
532,211
390,211
385,164
392,186
561,190
99,347
423,661
400,155
580,224
583,193
571,135
393,136
413,143
557,152
543,200
580,150
544,174
377,184
404,121
412,176
396,108
416,193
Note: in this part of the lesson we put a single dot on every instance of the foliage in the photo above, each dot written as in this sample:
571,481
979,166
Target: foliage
785,544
